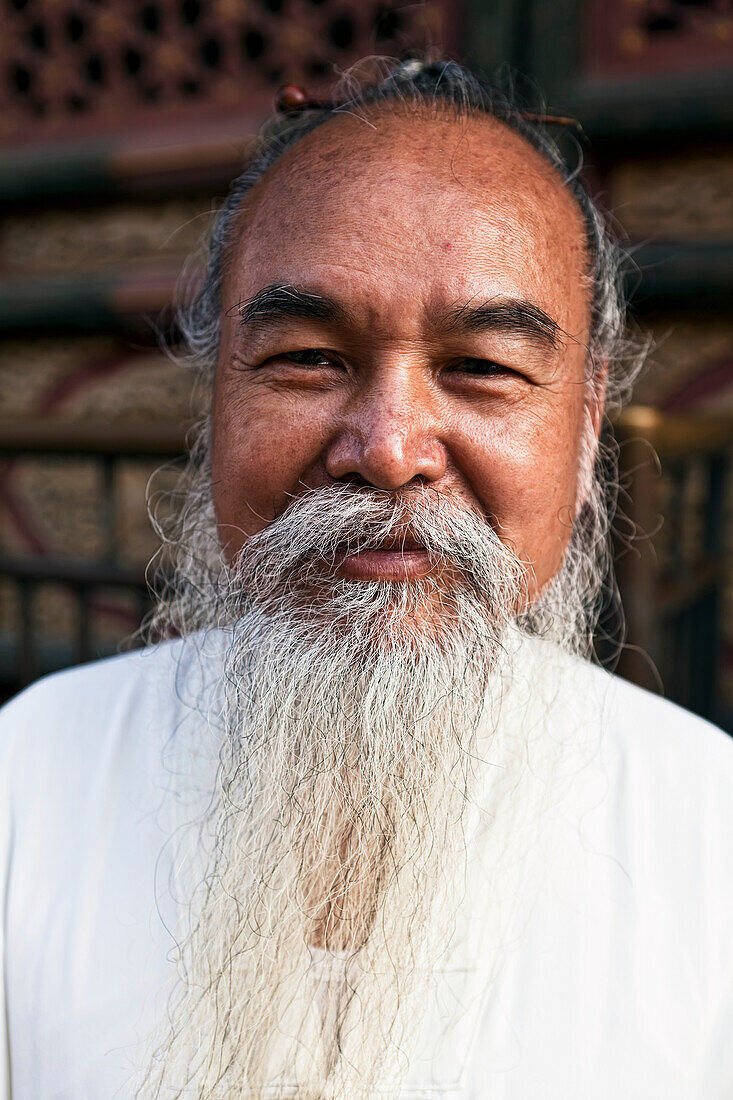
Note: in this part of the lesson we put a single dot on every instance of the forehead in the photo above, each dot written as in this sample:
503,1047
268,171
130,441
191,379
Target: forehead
404,208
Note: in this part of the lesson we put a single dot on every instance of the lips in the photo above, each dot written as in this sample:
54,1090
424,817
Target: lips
399,557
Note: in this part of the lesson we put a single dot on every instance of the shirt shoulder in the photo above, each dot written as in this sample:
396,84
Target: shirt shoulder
655,737
663,769
108,718
639,739
70,703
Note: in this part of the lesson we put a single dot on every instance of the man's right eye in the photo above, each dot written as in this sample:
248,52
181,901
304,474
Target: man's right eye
308,357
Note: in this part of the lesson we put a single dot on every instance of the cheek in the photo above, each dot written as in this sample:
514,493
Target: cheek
263,450
526,477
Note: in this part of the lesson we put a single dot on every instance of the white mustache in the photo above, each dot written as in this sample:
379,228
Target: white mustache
323,524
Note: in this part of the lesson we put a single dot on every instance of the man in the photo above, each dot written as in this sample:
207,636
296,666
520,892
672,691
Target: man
373,825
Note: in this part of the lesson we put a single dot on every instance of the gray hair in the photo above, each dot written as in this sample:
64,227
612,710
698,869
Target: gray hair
435,83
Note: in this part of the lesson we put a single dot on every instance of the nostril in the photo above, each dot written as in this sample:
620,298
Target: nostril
352,480
419,481
357,481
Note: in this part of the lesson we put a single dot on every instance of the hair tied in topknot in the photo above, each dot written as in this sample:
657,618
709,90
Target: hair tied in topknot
292,99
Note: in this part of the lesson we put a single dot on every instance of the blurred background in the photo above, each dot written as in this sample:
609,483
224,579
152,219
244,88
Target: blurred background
122,123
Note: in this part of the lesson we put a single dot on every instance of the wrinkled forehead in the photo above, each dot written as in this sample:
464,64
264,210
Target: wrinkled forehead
431,203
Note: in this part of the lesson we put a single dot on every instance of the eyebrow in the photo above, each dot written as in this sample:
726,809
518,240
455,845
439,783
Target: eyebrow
515,316
281,302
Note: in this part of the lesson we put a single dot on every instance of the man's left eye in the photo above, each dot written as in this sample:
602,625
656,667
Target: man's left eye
308,357
482,367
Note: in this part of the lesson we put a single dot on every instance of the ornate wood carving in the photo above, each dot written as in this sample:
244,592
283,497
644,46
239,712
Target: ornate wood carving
80,67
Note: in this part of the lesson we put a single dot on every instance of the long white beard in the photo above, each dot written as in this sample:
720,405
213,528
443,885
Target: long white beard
354,717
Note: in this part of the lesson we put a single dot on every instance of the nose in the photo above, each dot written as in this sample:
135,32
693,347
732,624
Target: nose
388,435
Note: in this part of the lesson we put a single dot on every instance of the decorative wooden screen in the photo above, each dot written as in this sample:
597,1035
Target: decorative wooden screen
83,67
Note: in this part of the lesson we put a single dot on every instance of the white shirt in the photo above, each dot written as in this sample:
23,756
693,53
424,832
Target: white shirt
619,987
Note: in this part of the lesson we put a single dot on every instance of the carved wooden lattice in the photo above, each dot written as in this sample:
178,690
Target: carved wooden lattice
635,37
83,67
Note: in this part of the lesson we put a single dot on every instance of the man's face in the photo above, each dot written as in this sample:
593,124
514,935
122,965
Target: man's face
433,332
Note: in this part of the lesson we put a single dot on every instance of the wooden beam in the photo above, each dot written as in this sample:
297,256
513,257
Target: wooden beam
29,437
